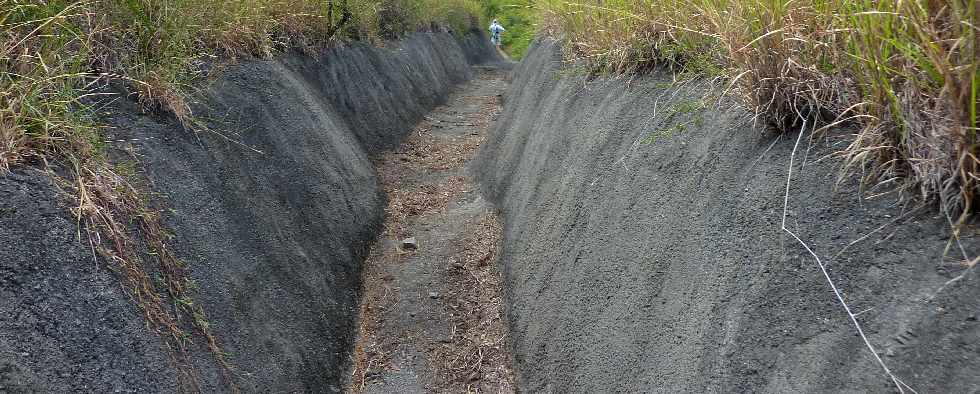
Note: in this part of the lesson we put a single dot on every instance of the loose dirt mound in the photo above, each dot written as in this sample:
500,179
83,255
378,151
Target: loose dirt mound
643,253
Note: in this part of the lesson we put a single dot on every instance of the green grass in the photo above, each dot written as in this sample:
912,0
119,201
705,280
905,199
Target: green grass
905,71
679,117
520,18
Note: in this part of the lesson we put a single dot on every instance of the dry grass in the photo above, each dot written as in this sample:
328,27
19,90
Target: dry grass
443,155
56,54
475,356
420,182
478,350
905,71
426,199
53,51
104,198
406,200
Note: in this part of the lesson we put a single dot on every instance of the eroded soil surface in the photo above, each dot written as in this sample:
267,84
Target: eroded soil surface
431,312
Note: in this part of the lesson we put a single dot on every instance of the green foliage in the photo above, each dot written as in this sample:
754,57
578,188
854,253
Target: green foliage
519,17
679,117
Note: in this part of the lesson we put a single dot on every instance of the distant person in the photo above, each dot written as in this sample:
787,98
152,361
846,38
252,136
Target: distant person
495,31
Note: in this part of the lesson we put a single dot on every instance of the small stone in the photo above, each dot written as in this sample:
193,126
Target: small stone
410,243
433,295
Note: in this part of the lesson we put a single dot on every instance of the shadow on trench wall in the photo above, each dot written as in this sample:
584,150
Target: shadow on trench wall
273,217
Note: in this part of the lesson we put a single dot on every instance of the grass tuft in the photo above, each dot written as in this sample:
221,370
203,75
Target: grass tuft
905,71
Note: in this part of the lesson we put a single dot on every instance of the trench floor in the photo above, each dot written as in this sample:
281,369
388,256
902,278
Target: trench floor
431,315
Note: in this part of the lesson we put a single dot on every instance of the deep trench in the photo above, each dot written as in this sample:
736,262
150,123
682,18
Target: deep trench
572,233
432,308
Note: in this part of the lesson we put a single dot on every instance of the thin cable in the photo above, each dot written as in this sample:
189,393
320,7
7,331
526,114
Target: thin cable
789,177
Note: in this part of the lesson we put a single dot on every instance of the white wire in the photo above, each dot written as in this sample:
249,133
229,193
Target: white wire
789,177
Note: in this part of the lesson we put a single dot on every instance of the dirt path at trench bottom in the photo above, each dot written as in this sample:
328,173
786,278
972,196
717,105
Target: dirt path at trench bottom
431,316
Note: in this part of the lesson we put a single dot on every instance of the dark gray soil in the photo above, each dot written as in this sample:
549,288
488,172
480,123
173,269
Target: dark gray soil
275,237
661,267
431,314
66,326
272,210
627,266
479,50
